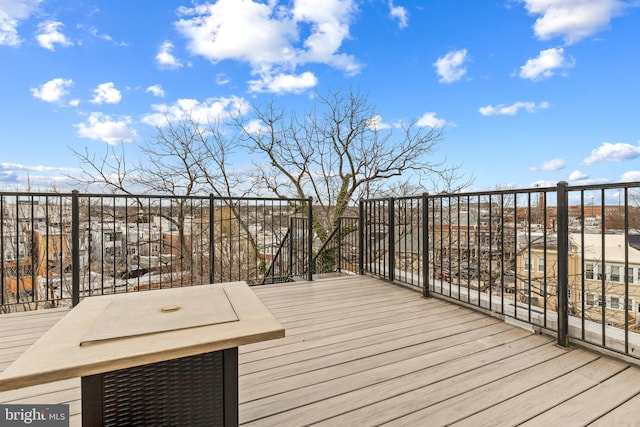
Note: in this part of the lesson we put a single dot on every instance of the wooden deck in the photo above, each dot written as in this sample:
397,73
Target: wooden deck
360,351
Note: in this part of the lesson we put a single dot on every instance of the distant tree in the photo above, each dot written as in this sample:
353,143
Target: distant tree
184,158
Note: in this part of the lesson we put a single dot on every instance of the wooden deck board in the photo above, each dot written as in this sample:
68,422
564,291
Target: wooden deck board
360,351
546,396
595,402
626,414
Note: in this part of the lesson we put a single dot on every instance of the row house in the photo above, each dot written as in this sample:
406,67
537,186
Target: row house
604,275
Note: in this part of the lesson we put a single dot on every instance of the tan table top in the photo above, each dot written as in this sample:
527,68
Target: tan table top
110,332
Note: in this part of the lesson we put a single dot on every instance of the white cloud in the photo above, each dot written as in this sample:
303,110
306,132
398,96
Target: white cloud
11,13
578,176
430,120
513,109
210,110
400,13
103,127
106,93
222,79
550,165
572,20
156,90
273,39
284,83
33,177
609,152
451,67
376,123
166,58
329,22
4,166
53,90
545,65
48,35
630,176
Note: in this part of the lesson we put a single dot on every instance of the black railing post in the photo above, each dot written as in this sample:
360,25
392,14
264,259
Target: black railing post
339,244
425,245
563,264
293,239
392,239
311,268
75,248
212,247
361,237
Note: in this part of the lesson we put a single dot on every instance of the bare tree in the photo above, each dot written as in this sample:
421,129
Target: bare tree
184,158
337,152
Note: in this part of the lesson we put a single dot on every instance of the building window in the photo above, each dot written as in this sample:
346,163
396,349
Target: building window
590,298
527,265
614,274
630,275
615,303
541,265
588,271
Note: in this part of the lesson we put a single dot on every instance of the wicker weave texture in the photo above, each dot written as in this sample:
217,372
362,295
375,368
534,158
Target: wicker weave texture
180,392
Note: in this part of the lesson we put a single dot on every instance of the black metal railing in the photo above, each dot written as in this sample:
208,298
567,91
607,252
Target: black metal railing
58,248
565,259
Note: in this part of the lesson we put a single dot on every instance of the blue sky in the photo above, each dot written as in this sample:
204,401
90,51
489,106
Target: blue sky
530,91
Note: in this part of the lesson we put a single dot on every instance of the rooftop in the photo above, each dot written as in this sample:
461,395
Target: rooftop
362,351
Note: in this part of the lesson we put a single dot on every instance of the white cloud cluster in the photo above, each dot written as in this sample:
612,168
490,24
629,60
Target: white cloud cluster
156,90
165,56
513,109
52,91
572,20
273,39
608,152
630,176
550,165
451,67
49,36
400,13
35,176
283,83
577,176
210,110
376,123
38,168
11,13
430,120
103,127
106,93
545,65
